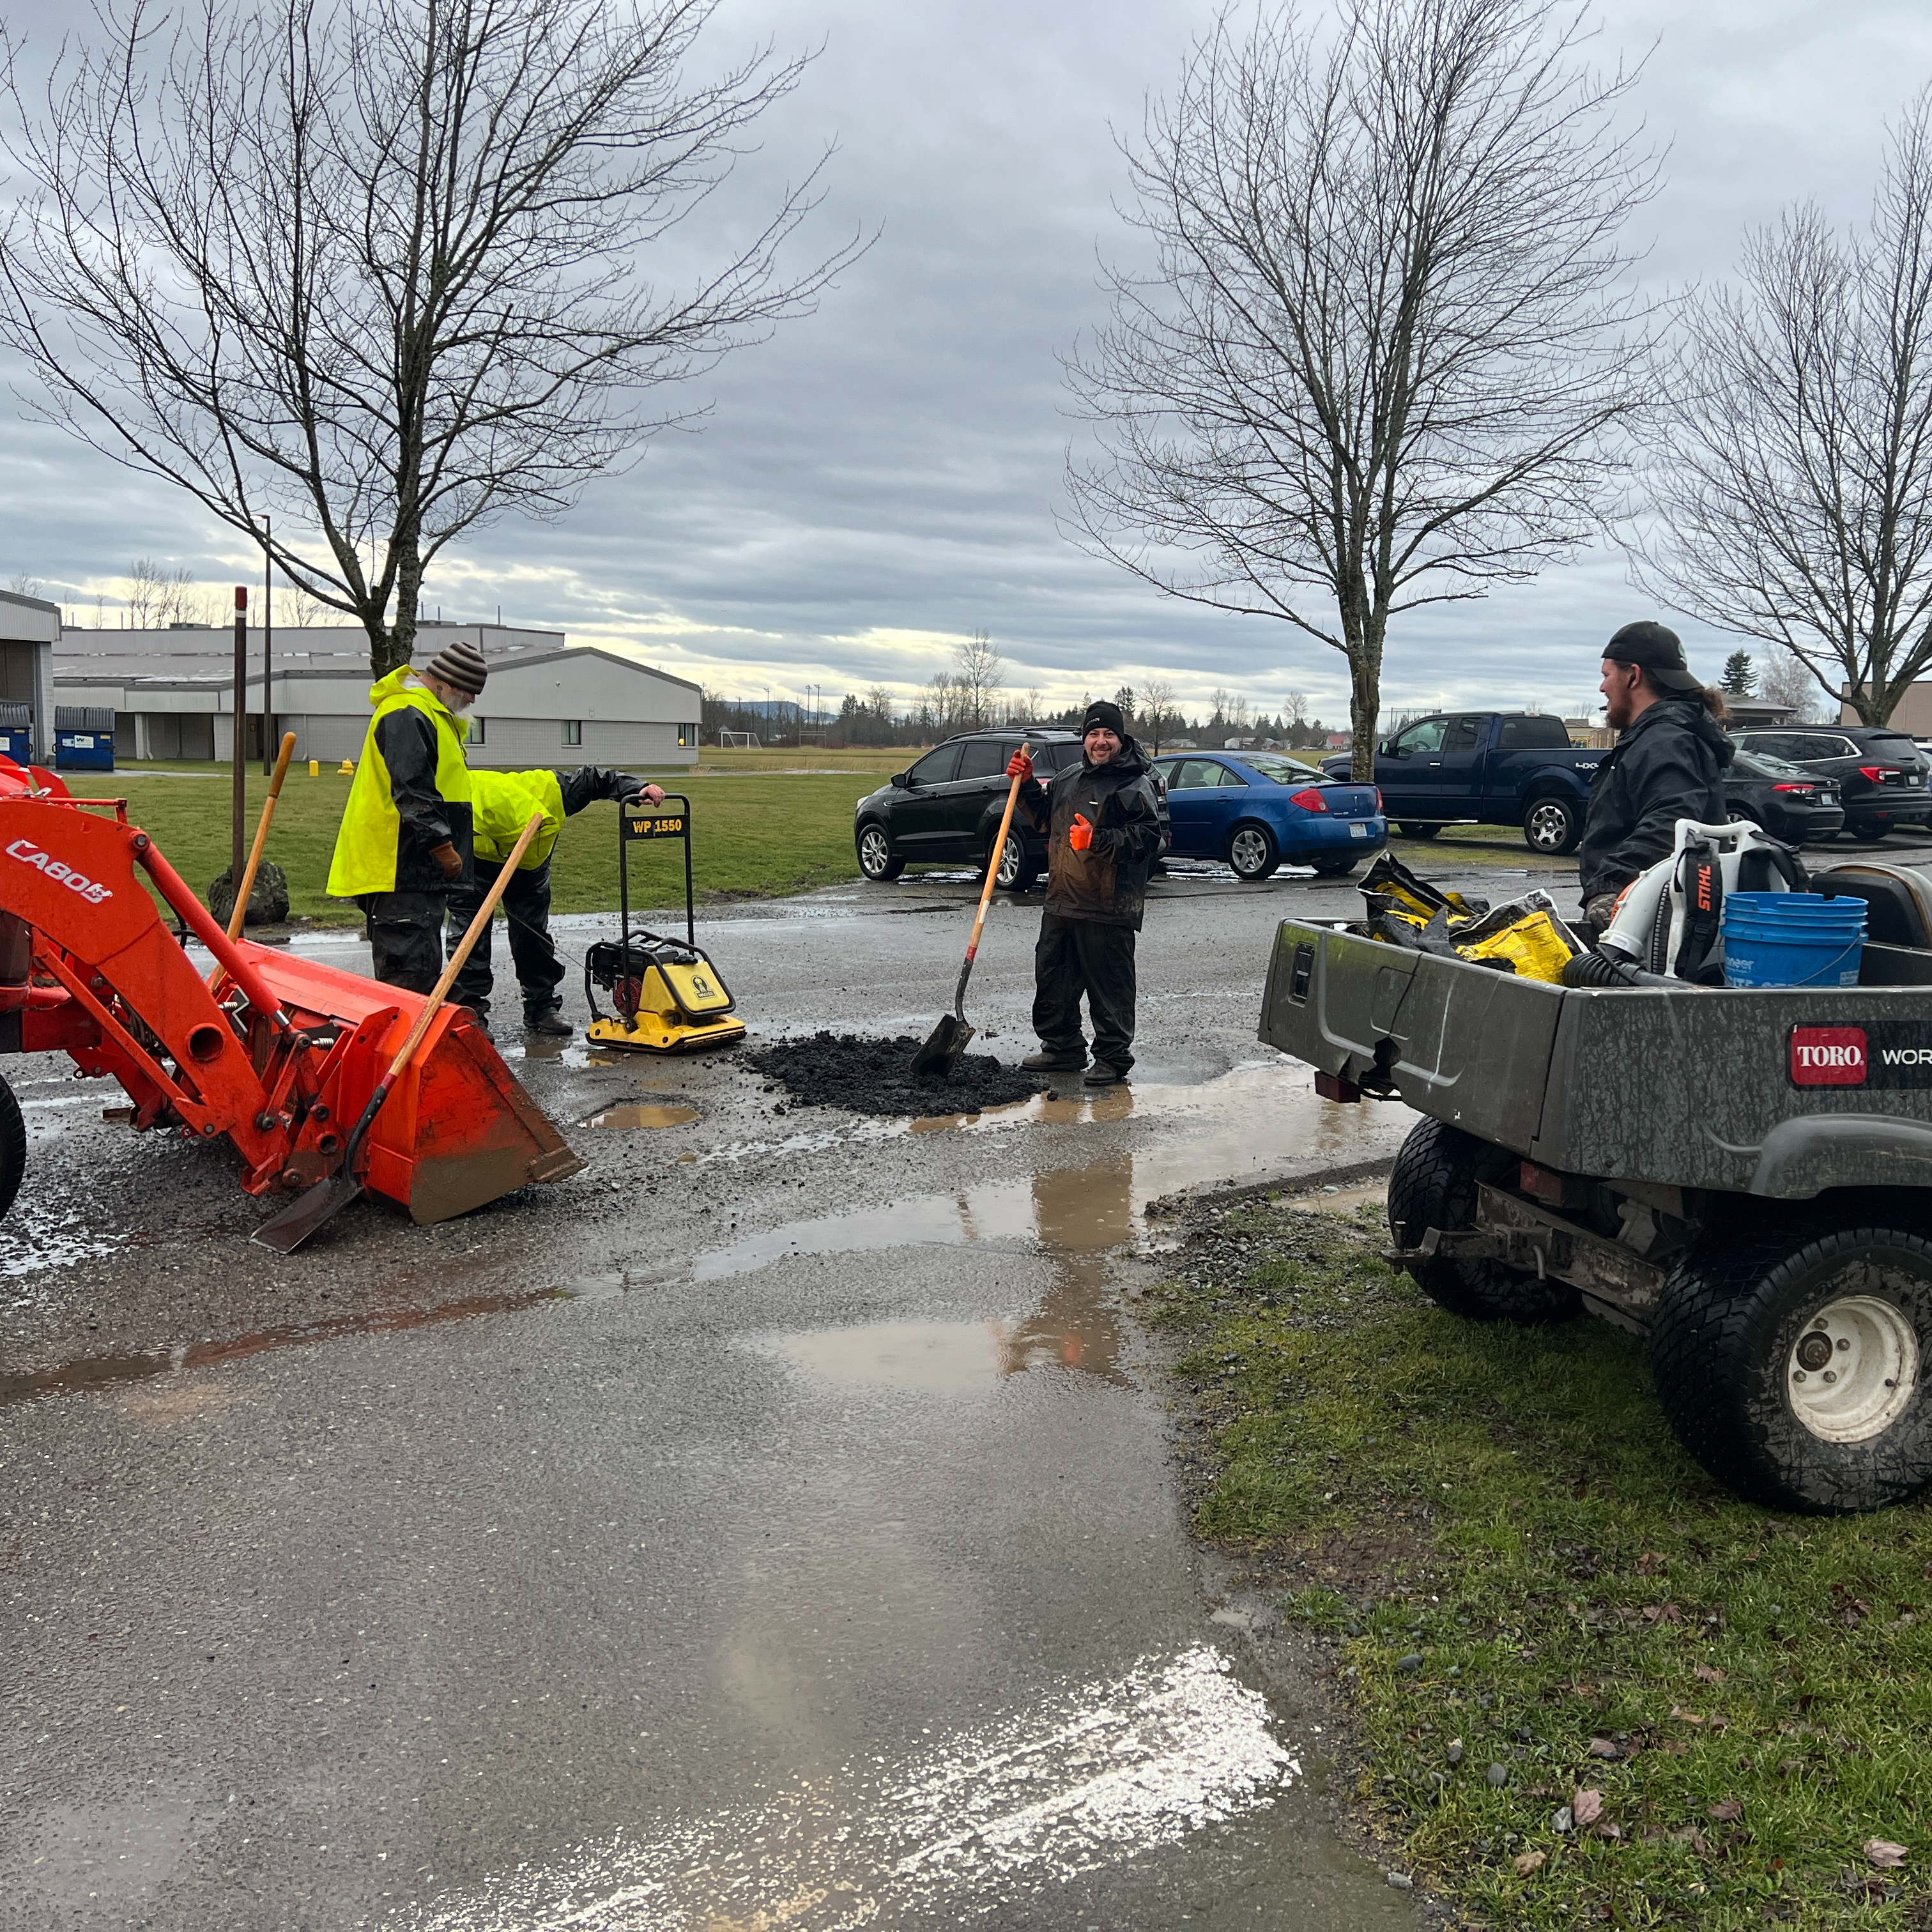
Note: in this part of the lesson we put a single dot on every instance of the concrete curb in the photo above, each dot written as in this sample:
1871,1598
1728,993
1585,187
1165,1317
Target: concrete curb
1342,1174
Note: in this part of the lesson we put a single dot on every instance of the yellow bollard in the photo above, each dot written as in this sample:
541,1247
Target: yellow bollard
347,769
315,768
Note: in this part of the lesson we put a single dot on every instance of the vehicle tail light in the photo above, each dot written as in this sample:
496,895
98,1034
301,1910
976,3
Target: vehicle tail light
1310,800
1871,772
1378,798
1803,791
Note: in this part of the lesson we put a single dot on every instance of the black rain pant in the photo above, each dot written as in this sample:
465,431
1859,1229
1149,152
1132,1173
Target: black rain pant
1075,956
406,936
527,903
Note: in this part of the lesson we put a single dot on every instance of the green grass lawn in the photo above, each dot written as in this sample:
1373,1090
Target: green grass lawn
752,836
1699,1715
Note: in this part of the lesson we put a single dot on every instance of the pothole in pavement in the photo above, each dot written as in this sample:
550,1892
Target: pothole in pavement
875,1076
642,1114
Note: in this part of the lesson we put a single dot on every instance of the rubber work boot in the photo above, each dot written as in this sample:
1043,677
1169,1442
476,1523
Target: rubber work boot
1101,1075
547,1023
1047,1061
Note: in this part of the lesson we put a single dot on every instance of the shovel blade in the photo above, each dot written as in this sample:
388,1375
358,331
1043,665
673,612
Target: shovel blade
944,1045
305,1215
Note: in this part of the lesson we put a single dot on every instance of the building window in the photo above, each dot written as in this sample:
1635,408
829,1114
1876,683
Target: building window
477,730
573,731
687,734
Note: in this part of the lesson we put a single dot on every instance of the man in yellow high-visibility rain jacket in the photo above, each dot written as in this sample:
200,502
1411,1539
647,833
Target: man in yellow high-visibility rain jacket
405,840
503,803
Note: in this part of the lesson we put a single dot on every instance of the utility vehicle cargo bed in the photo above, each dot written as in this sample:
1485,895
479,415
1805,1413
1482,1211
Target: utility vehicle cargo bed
1782,1092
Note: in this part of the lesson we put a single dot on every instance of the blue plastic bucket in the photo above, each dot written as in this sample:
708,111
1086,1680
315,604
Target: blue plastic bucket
1792,939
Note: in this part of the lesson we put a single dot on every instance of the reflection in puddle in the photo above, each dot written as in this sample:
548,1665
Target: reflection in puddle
638,1113
926,1358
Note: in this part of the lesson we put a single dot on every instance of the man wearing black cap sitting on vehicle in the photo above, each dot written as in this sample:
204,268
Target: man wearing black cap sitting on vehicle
1668,763
1102,826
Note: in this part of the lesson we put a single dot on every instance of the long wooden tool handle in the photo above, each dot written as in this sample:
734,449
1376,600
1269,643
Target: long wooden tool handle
246,888
460,958
993,863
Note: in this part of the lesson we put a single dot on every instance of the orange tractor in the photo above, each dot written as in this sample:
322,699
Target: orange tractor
279,1056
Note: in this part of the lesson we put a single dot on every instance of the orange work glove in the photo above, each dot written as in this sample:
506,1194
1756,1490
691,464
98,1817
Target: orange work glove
1079,834
1019,766
448,859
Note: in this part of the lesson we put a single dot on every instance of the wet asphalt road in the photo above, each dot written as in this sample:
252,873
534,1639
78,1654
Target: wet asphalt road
772,1524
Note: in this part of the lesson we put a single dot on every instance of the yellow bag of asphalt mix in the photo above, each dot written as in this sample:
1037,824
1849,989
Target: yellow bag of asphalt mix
1389,886
1534,945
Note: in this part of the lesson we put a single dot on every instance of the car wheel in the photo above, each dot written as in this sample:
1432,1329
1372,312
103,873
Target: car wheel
1410,830
1017,871
1866,828
877,859
1252,852
1793,1367
1433,1185
1339,867
1552,826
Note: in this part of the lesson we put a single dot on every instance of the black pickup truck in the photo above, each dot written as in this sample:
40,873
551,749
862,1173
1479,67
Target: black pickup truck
1484,767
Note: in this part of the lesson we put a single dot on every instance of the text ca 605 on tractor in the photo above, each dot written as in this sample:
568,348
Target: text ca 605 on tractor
278,1057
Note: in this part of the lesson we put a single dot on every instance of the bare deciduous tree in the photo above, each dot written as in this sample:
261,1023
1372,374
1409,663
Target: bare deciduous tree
1158,698
1389,338
375,268
979,671
1783,680
1791,477
159,595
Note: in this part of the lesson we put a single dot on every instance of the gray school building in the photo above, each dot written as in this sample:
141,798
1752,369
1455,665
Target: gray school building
172,693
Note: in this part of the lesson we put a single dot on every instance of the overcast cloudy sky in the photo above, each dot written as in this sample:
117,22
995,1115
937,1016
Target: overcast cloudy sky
881,478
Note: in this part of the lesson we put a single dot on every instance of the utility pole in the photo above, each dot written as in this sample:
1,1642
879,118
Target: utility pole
240,733
268,641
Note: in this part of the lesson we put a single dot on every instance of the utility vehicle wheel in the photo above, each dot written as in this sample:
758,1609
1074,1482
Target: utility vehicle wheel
1252,852
1017,871
877,859
1339,867
1410,830
1792,1366
1434,1186
1552,826
12,1147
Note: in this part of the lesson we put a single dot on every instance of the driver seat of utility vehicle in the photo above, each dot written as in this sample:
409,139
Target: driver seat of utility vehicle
1898,901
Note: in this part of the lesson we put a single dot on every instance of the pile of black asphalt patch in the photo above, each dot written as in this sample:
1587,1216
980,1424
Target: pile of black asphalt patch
875,1076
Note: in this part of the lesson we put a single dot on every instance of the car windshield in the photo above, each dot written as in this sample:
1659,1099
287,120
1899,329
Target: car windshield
1762,765
1282,771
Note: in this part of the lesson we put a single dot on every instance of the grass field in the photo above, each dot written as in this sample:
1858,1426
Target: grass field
753,836
1588,1686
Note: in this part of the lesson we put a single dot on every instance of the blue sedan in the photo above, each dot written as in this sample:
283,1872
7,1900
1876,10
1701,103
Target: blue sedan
1257,810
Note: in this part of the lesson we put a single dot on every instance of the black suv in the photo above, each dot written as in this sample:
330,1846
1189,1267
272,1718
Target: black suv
947,807
1880,773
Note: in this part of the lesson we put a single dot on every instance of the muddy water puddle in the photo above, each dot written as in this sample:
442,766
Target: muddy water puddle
642,1114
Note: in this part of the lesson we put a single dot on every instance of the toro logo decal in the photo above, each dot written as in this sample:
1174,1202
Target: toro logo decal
1828,1056
30,854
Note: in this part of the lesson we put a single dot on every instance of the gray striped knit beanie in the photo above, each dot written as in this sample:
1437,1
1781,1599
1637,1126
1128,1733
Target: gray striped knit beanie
460,664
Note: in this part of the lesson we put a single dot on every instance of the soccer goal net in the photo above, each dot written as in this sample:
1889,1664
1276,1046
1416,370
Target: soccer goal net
738,741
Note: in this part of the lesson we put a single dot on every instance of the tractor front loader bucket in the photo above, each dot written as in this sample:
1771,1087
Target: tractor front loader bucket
278,1056
459,1130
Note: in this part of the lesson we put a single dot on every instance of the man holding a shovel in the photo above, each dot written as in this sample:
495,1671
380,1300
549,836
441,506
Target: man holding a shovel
1102,821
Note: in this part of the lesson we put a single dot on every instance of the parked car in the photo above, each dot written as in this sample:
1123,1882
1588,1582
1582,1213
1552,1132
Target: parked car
1790,802
1258,810
1880,773
947,807
1494,767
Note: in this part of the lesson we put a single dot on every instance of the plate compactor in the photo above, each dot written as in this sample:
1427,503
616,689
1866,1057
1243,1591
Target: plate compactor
669,997
277,1056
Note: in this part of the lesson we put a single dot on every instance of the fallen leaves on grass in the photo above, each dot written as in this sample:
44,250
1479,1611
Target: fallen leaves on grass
1688,1717
1604,1747
1528,1863
1707,1673
1586,1807
1728,1810
1884,1855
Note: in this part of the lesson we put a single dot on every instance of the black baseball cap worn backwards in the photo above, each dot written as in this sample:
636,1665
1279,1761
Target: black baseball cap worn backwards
1660,651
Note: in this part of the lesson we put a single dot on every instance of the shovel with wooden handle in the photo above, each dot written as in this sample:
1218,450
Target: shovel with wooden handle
950,1038
296,1223
246,891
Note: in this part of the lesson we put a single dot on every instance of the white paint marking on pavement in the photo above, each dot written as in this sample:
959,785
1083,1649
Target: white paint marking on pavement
1098,1776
